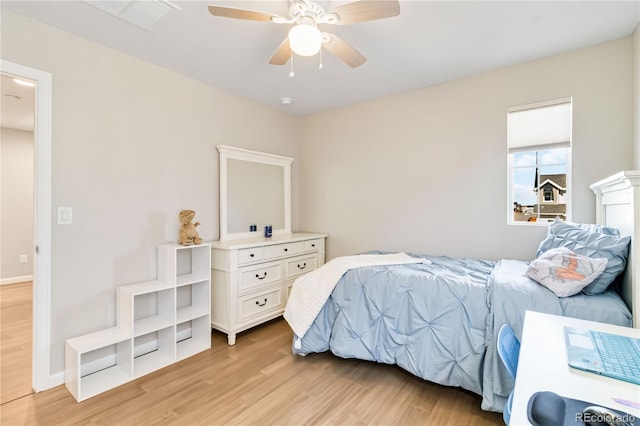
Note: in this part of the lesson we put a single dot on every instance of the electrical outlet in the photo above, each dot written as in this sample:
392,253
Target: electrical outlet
24,258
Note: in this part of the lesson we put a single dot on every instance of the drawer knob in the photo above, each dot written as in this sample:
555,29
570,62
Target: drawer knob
286,249
263,303
313,245
261,277
251,255
304,265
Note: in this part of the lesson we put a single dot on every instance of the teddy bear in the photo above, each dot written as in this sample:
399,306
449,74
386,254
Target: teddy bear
188,234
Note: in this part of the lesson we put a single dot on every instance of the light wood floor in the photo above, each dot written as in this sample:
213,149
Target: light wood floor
257,382
16,313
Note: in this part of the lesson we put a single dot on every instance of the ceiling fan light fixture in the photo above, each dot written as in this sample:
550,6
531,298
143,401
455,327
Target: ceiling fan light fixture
305,39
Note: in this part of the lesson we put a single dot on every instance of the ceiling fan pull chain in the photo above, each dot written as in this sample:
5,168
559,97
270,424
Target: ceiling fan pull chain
291,74
320,65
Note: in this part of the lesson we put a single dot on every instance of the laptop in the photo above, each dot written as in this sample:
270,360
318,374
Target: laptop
601,353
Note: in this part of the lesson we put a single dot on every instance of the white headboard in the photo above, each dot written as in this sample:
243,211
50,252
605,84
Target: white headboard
618,205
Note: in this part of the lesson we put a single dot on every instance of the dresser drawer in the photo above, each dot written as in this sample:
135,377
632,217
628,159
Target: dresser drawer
300,265
259,304
250,255
311,245
287,249
260,275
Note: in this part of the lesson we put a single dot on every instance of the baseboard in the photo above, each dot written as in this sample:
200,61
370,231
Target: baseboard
55,379
14,280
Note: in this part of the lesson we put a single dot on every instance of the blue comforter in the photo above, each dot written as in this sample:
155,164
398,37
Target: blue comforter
439,321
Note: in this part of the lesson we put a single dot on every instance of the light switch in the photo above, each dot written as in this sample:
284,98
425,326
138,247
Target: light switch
65,215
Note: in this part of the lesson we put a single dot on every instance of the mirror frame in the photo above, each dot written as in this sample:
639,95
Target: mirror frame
230,152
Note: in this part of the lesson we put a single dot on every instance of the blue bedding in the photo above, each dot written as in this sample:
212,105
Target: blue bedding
439,321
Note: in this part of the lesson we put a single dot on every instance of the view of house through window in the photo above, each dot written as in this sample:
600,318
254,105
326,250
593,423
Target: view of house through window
539,162
540,185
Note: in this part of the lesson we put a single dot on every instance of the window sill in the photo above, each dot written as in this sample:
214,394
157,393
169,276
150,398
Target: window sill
535,224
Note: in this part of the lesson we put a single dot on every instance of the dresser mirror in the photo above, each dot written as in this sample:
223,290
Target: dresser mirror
255,189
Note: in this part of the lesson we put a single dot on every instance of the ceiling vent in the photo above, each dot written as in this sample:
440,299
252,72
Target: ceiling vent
147,15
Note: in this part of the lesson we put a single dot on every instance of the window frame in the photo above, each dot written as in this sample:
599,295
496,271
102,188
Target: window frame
568,196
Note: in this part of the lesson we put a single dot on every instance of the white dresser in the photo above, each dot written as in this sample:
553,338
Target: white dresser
251,278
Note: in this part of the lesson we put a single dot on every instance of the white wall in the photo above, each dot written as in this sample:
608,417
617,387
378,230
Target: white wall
636,98
133,144
16,236
426,171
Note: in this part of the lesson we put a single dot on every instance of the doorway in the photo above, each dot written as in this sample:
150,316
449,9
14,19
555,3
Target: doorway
17,145
41,377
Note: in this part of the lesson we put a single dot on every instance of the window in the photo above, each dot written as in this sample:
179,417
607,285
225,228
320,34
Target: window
539,141
548,195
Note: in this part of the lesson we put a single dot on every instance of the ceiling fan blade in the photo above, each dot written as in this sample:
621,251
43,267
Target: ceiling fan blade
344,51
282,54
229,12
366,10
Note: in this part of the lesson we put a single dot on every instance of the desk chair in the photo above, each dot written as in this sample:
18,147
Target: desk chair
508,349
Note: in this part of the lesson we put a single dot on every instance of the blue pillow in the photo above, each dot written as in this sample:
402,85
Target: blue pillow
607,230
590,243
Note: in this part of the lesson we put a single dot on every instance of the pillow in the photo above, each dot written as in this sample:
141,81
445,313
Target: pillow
591,227
565,272
592,244
587,227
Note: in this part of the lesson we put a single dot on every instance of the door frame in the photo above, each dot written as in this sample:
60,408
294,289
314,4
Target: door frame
41,357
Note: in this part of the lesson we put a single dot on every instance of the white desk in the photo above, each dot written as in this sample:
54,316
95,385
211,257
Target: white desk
542,366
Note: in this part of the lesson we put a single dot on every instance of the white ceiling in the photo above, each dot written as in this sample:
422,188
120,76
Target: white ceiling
17,103
429,42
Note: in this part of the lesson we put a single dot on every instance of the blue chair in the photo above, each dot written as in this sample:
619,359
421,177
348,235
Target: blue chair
508,349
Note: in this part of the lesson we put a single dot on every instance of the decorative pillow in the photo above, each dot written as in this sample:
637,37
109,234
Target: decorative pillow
565,272
591,244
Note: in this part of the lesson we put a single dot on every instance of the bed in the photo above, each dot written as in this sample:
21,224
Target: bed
438,317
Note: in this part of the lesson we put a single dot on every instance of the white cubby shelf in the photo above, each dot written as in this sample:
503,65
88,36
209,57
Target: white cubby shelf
158,323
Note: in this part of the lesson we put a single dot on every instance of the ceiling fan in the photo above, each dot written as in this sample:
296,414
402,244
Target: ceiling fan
305,38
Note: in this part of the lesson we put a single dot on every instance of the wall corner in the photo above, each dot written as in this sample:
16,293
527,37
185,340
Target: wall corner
635,39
